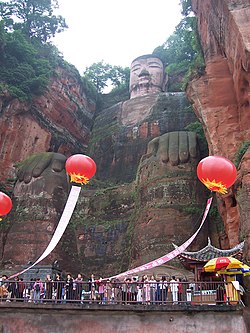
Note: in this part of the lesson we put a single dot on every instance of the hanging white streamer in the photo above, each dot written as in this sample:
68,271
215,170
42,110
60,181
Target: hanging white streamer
62,225
169,256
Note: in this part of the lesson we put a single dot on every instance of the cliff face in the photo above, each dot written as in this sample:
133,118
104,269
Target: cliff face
140,145
221,100
115,227
60,121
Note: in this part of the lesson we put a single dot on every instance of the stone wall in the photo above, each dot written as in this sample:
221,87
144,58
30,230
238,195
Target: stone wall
56,319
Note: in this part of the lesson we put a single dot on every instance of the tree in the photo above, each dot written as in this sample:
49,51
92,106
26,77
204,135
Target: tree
119,76
23,71
186,7
33,17
101,74
98,74
182,53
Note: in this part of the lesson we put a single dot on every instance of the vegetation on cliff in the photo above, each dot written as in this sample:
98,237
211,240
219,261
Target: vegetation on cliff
241,151
35,19
181,53
26,58
198,129
23,69
102,74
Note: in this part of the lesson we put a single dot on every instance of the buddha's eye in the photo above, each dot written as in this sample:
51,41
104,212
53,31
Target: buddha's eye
154,65
136,68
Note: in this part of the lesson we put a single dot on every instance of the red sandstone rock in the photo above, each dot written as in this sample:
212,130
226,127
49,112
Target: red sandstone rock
221,96
59,120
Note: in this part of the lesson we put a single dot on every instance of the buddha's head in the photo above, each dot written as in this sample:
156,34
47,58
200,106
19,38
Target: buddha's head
147,76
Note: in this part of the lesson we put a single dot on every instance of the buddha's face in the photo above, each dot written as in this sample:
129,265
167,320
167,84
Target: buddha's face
146,76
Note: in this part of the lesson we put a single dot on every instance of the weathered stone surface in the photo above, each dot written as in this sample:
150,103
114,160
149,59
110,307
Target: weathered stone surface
38,203
58,121
102,223
121,133
243,195
221,97
169,197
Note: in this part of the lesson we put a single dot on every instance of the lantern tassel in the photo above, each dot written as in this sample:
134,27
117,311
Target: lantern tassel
215,186
77,178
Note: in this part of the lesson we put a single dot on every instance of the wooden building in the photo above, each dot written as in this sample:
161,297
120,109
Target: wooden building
195,261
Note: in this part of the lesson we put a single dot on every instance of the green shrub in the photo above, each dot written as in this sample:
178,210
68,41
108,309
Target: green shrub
240,153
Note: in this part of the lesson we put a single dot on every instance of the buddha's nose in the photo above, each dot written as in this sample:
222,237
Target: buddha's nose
144,72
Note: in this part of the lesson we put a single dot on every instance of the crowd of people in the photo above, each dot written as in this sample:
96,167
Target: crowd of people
143,290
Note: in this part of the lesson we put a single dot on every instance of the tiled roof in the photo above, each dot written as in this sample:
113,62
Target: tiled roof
210,252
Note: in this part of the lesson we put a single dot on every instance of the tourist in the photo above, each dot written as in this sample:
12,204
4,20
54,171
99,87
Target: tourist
20,289
12,288
220,294
125,290
69,287
31,290
101,286
38,290
92,288
134,290
58,287
184,289
108,291
117,291
48,287
78,287
180,290
146,290
4,287
174,289
140,291
163,290
158,291
153,289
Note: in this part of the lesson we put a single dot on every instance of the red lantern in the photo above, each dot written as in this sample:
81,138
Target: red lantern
216,173
5,204
80,168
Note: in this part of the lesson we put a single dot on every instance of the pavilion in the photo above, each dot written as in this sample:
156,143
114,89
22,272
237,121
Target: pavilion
195,261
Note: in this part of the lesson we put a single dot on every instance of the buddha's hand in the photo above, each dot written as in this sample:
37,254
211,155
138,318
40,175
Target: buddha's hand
174,147
41,164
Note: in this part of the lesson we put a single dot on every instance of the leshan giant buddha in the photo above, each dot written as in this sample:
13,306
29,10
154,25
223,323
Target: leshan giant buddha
120,138
121,133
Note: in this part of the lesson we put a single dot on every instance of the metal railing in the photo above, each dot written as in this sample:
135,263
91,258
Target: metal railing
116,292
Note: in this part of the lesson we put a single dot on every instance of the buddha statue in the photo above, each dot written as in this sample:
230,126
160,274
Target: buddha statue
147,76
121,135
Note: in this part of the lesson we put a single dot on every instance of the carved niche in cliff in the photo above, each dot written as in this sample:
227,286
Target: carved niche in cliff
121,133
157,208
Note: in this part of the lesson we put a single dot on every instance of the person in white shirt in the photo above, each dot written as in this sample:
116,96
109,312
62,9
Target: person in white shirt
174,289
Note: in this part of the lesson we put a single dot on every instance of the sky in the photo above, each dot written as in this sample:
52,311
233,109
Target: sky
115,31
